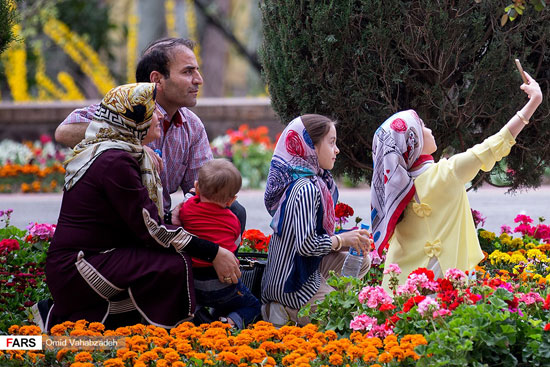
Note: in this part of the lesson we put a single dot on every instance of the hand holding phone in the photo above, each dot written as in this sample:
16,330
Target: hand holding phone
523,77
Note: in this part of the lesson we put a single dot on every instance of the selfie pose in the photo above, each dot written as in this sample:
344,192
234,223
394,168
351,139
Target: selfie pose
420,210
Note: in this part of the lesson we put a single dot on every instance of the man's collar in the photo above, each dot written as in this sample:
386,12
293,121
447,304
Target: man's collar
177,119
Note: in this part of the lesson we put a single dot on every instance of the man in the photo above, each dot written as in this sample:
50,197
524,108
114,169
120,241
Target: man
172,65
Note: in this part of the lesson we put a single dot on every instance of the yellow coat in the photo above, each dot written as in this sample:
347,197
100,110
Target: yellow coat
440,224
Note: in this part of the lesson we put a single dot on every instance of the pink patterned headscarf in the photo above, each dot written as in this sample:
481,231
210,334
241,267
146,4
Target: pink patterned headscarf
295,157
396,148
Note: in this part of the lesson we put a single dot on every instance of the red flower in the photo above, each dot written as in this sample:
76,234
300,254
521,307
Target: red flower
547,327
386,307
399,125
428,273
343,210
293,144
411,302
9,244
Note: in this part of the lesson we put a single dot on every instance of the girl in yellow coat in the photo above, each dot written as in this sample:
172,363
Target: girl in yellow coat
436,230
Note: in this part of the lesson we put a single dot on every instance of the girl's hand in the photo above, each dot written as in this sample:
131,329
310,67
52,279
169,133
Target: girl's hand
532,90
359,239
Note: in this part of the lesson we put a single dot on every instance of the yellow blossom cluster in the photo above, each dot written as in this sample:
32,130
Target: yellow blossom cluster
15,64
169,10
47,90
81,53
216,344
191,21
131,46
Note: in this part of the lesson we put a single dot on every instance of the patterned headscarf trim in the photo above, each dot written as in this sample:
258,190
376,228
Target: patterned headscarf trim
121,122
396,148
295,157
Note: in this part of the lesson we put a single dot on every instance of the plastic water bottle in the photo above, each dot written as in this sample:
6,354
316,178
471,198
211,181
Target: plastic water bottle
352,264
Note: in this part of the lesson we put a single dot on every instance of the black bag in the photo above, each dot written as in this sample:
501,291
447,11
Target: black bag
252,266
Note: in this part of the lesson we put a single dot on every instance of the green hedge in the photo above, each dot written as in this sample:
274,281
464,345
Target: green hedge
360,61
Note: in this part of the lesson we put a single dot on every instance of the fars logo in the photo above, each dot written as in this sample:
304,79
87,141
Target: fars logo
20,342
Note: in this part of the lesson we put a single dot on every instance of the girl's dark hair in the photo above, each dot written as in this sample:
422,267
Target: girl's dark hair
317,126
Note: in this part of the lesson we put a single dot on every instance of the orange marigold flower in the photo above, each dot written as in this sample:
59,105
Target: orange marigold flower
178,364
13,330
331,335
228,357
148,356
140,364
123,331
61,353
96,326
336,359
58,330
384,357
162,363
113,362
130,355
83,357
172,356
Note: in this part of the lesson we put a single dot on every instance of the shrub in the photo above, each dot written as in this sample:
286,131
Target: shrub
360,61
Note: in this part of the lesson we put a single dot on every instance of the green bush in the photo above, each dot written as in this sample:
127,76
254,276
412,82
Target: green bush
7,19
452,61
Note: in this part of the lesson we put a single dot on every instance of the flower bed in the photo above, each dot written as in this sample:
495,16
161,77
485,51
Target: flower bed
498,315
31,167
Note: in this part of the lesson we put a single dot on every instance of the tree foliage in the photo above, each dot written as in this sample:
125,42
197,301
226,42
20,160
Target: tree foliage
7,19
360,61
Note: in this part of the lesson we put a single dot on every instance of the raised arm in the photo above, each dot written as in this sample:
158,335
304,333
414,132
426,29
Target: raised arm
515,125
466,165
72,130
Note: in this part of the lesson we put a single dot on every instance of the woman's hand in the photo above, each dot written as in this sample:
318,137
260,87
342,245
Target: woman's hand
157,161
359,239
532,89
226,266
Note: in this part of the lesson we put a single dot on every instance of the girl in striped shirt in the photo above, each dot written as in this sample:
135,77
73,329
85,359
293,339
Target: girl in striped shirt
300,196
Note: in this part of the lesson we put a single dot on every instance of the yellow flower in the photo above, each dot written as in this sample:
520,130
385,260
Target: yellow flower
487,235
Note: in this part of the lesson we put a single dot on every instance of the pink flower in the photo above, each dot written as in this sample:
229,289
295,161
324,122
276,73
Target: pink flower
392,268
456,277
374,296
525,229
542,232
530,298
428,304
523,219
478,218
505,229
41,231
45,139
421,282
441,313
362,322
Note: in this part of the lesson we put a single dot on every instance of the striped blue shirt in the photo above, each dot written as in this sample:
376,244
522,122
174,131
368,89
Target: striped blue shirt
298,235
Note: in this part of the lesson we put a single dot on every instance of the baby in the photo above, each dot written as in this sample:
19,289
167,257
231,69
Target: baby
207,216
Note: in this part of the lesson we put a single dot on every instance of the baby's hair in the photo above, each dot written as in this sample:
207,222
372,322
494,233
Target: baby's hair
219,180
317,126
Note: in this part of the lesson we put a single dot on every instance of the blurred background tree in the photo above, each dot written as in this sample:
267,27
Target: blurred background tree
361,61
78,49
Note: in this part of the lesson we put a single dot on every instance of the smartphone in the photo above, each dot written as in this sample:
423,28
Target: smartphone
518,64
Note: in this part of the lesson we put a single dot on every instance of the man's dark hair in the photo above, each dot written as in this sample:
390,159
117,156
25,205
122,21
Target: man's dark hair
156,57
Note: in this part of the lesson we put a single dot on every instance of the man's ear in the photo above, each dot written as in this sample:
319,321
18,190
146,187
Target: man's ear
155,77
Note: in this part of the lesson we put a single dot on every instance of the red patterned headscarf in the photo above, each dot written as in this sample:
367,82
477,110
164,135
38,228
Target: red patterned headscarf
396,148
295,157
